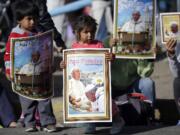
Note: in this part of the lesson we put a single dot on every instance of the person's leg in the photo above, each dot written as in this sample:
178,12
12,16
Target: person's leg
146,86
29,109
117,121
176,87
7,114
46,114
90,128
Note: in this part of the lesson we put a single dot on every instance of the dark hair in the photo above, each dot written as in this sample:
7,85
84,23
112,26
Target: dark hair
25,8
82,22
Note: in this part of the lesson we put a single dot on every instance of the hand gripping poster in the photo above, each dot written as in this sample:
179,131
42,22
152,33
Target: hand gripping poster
87,89
134,29
31,60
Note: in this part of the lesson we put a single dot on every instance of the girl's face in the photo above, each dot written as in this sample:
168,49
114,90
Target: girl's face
28,23
86,35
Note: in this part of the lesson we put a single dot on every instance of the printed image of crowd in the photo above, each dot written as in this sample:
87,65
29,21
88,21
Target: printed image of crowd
86,92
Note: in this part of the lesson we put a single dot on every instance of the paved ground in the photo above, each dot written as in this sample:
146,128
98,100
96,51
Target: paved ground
134,130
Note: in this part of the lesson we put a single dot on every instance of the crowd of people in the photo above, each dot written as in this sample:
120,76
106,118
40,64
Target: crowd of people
127,75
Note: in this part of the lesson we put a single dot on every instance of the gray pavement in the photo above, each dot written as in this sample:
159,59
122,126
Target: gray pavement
132,130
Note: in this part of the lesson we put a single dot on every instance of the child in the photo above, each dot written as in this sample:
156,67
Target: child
27,18
85,29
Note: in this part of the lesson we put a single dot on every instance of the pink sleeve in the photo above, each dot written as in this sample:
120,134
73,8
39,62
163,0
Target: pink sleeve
100,45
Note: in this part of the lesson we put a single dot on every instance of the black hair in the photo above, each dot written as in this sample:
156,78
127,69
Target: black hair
25,8
82,22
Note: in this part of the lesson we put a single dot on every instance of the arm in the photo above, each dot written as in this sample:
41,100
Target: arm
145,68
174,65
46,22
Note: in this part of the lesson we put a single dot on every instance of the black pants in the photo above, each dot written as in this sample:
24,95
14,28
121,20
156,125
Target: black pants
176,86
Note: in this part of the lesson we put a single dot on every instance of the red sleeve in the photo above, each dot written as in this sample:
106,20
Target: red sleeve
100,45
8,50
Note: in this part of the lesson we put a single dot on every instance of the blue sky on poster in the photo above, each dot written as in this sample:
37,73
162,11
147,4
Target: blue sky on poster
87,68
126,7
23,50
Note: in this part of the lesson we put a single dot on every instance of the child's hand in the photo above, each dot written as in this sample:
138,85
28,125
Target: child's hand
109,56
62,64
170,46
112,41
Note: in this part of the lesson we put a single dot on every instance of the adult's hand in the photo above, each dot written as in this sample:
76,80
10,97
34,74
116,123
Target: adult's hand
170,46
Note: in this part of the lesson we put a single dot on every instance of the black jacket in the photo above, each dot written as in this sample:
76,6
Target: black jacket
45,21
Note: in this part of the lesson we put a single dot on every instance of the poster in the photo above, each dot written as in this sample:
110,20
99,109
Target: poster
31,60
134,27
87,89
169,24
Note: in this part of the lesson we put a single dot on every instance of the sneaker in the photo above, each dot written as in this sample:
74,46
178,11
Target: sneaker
117,126
13,124
31,129
50,128
90,129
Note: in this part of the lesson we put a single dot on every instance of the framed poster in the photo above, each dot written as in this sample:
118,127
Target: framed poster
87,90
134,27
170,26
31,60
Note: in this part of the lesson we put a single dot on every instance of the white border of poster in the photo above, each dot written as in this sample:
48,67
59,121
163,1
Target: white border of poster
94,78
166,20
31,71
135,45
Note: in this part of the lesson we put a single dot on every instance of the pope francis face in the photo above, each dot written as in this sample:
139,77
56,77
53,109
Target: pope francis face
136,15
76,74
35,56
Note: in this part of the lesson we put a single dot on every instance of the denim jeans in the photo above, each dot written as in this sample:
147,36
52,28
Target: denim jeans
29,108
145,86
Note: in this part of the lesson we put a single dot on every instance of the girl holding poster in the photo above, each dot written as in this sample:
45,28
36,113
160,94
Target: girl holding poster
85,28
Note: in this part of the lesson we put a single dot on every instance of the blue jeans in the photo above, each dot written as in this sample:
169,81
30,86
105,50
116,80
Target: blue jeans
145,86
45,110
